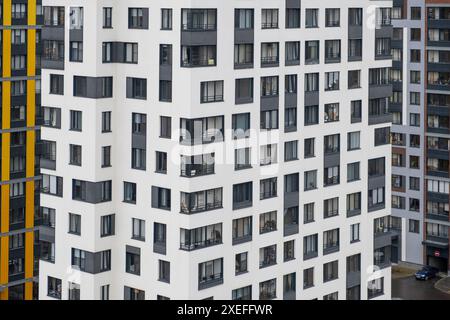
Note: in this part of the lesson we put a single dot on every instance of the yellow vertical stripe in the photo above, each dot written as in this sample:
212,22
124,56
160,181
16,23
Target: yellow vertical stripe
30,150
6,115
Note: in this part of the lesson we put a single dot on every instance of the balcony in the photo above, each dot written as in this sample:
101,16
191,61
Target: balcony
187,209
210,281
191,246
197,170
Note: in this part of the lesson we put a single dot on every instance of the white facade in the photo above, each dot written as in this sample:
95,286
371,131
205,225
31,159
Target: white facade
184,265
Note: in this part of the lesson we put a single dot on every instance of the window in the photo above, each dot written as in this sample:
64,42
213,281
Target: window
161,162
244,293
56,84
267,256
289,250
269,18
311,115
332,17
269,86
414,226
331,176
353,140
312,18
414,98
129,192
269,120
165,55
75,154
136,88
52,185
415,34
54,287
353,171
107,18
355,16
244,91
375,288
267,188
331,296
310,246
74,291
165,127
106,157
161,198
290,119
165,90
267,222
107,225
138,229
292,18
166,19
310,180
138,158
133,294
354,232
138,18
414,119
354,49
376,197
292,52
268,155
104,292
198,56
242,230
331,143
242,159
242,195
331,112
106,121
76,51
331,81
311,82
133,260
311,52
308,278
332,51
75,120
241,262
308,212
74,224
377,167
353,204
330,271
309,148
291,150
243,18
211,91
330,207
354,79
210,273
164,271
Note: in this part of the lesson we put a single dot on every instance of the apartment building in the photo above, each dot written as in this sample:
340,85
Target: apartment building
20,148
420,184
169,119
437,67
408,134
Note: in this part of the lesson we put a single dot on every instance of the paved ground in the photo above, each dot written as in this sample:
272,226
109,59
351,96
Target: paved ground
408,288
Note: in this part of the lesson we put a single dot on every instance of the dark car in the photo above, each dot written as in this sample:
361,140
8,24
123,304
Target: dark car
426,273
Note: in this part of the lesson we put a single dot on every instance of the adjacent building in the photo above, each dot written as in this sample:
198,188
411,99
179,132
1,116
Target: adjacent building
20,148
419,105
216,149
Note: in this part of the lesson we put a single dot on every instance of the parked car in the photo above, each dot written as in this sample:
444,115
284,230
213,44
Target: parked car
426,273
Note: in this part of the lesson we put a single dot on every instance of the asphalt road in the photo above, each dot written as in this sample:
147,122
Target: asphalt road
409,288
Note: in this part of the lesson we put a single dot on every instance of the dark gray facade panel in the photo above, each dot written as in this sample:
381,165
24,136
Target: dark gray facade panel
291,199
312,98
376,182
198,38
290,100
242,36
331,160
270,103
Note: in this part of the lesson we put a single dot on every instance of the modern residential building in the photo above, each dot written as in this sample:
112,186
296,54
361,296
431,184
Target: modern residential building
437,131
420,170
20,148
408,134
215,149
